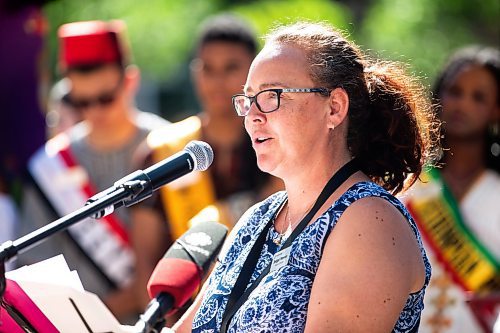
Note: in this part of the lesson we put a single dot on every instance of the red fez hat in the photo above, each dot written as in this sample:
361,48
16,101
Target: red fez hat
91,43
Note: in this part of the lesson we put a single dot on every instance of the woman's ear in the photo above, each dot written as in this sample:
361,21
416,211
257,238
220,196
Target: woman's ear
338,106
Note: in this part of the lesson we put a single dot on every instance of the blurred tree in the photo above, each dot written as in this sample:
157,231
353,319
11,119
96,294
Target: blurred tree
425,32
421,32
265,14
160,31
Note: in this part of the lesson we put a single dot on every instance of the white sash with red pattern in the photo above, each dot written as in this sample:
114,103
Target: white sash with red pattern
66,186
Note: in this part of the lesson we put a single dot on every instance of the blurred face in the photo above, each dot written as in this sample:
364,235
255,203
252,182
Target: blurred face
219,72
99,96
286,140
469,103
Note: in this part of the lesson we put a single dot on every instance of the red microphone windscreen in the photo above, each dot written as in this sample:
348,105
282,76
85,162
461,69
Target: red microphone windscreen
180,272
177,277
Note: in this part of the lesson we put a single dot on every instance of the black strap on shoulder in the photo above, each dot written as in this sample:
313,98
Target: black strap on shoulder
240,293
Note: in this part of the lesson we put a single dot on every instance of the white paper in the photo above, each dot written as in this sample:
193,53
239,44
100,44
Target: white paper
54,271
59,294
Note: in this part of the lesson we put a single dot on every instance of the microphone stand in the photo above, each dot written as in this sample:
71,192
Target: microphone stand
124,191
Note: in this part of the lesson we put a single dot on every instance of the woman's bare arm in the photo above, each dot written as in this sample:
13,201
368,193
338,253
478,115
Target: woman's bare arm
371,263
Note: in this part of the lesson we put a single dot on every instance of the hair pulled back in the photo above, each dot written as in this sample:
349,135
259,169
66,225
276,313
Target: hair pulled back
392,130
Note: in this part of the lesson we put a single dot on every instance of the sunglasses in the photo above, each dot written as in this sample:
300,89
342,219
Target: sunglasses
103,99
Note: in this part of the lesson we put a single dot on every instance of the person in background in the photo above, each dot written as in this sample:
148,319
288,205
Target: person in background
335,252
224,51
88,158
457,206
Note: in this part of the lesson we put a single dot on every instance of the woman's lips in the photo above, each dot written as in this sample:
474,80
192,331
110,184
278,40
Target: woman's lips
260,140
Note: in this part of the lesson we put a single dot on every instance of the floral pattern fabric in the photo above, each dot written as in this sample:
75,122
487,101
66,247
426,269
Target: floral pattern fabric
279,303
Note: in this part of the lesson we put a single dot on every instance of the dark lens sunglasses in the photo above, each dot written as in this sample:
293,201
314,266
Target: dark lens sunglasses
85,103
103,99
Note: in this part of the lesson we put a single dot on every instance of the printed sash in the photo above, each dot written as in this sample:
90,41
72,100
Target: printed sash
183,198
470,264
66,186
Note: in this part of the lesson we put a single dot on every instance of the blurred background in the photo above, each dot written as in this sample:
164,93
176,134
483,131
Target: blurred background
420,32
162,34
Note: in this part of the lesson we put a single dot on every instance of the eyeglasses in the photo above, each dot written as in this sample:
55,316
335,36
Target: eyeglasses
104,99
268,100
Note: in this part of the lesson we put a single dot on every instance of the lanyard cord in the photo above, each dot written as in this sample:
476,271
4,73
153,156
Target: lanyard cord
238,294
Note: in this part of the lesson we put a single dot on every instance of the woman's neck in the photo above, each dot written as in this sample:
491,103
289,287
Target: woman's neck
463,164
303,190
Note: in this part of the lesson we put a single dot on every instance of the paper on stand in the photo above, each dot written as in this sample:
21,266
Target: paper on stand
54,270
59,294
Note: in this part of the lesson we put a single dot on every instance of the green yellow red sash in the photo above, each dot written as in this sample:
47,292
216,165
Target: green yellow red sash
439,219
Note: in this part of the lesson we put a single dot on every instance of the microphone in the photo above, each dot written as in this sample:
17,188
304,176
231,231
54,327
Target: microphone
196,156
179,273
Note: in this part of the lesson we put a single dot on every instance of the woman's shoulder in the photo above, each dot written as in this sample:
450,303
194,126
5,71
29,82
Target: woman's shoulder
362,190
373,195
375,226
368,201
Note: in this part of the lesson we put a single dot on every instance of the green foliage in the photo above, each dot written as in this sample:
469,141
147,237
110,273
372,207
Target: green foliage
162,32
425,32
267,14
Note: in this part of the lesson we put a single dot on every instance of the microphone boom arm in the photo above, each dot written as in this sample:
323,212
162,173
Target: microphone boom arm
135,187
126,191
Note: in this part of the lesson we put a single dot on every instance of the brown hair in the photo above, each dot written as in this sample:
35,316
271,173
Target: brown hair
392,129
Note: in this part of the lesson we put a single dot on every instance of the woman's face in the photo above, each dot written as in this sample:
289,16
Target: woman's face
286,140
470,103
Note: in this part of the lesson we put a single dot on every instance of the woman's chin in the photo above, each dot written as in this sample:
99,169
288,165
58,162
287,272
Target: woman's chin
266,165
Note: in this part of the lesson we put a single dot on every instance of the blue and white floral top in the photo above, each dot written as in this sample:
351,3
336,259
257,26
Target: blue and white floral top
279,303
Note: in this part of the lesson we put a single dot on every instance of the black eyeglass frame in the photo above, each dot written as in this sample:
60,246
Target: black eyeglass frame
278,91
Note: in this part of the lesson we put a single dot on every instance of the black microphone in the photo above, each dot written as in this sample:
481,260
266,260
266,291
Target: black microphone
179,273
196,156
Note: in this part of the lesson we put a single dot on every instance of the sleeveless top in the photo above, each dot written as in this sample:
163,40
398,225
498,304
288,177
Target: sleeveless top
280,302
